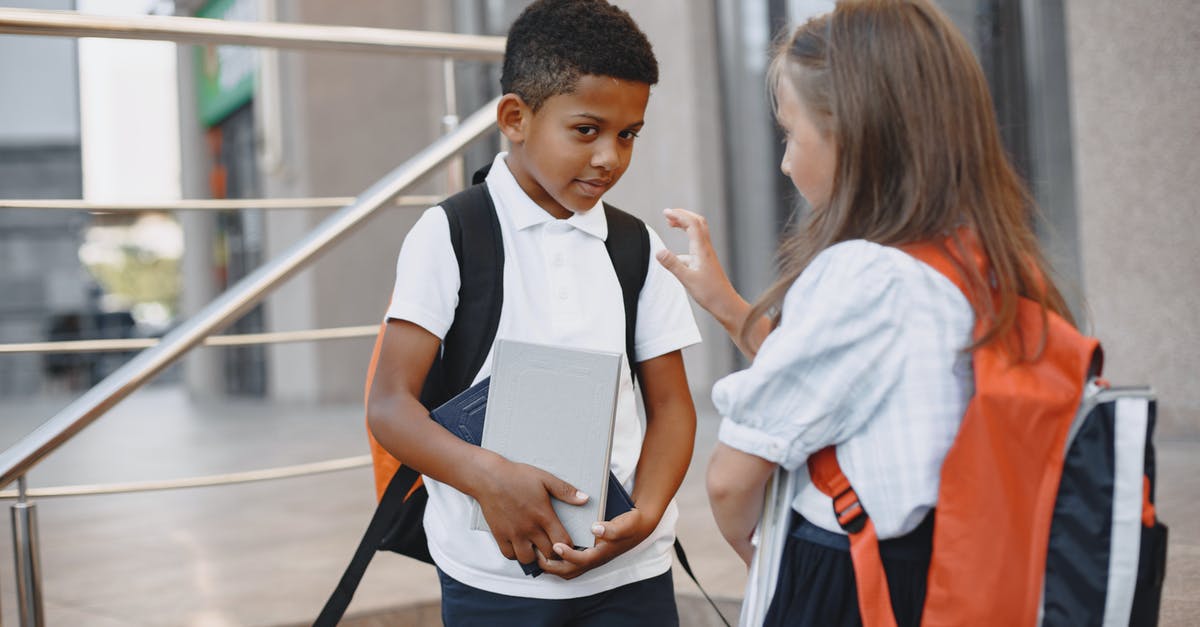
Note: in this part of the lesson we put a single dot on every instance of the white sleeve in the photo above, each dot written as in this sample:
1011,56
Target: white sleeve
426,290
834,357
664,321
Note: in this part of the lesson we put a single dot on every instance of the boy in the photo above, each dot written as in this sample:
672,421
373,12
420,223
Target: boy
576,80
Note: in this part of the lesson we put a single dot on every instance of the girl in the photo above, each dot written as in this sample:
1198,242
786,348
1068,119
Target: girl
892,140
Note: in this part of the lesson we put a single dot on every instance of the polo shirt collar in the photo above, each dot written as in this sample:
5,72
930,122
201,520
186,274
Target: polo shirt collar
525,213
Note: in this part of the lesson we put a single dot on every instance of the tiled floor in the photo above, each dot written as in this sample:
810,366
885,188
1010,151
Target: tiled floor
253,554
268,553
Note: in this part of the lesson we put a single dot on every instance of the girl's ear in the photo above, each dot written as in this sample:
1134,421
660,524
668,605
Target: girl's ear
512,116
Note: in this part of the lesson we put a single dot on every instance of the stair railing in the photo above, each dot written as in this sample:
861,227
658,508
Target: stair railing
16,461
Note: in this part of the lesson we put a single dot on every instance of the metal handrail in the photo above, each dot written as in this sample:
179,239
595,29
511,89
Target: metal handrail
238,299
240,339
199,30
204,204
16,461
232,478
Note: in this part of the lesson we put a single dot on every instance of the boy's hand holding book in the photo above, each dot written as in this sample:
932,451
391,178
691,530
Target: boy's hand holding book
613,538
515,500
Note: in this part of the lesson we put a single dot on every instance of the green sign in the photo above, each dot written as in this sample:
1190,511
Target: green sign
225,73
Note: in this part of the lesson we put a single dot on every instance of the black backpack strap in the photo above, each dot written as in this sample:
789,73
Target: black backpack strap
687,568
628,246
382,522
479,248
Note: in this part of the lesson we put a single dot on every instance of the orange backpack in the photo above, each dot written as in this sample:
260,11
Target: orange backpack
1045,510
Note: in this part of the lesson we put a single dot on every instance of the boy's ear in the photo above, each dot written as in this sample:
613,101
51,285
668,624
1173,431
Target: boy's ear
512,116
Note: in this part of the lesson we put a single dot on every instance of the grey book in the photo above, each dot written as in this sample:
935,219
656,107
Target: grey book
554,408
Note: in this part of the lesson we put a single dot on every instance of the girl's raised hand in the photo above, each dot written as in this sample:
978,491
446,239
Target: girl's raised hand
700,271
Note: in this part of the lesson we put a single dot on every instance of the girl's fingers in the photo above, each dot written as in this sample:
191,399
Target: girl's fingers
673,218
681,217
671,262
684,219
694,225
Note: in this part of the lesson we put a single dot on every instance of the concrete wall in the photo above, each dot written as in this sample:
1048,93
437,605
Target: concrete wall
40,106
350,119
354,117
1134,91
40,273
677,161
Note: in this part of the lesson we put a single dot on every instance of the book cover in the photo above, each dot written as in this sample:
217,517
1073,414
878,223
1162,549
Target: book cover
554,408
464,415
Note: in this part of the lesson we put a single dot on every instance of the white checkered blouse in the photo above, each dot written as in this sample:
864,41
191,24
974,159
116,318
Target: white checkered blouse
868,356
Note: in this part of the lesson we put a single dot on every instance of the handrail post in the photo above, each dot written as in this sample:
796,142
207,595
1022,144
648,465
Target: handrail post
28,564
455,169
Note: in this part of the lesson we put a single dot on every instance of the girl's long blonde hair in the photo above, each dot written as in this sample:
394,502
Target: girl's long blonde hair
919,154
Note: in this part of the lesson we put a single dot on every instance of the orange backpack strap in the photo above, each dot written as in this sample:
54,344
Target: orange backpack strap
941,256
385,465
999,479
874,599
1148,514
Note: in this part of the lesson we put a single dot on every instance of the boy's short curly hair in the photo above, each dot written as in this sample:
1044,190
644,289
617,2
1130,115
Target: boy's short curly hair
555,42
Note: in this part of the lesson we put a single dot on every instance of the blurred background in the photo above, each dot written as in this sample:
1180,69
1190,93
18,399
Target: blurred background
1097,104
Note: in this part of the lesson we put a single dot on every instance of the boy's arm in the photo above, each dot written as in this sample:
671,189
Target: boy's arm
666,452
737,482
515,498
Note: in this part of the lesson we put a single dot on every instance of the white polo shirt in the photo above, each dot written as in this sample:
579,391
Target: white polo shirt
560,288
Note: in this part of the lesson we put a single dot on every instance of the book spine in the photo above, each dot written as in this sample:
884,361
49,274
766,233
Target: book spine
612,422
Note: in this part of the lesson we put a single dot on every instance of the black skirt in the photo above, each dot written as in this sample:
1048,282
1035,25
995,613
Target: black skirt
816,577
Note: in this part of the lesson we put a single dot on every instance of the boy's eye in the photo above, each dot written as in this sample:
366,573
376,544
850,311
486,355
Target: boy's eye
629,135
587,131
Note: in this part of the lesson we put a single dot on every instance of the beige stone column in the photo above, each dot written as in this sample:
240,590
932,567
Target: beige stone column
1135,91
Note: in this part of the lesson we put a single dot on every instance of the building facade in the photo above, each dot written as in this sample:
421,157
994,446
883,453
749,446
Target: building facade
1094,101
43,288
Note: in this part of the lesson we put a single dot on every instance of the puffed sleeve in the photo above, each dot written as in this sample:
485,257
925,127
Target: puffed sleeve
426,289
832,359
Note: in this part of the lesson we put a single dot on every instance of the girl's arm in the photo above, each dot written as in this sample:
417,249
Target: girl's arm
707,283
666,453
737,482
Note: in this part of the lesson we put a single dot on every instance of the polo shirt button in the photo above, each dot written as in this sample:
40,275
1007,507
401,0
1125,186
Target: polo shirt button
562,295
558,259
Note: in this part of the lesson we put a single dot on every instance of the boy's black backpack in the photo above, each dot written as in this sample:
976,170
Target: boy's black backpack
475,235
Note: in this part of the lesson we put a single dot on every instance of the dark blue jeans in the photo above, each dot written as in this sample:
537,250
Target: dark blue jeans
646,603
